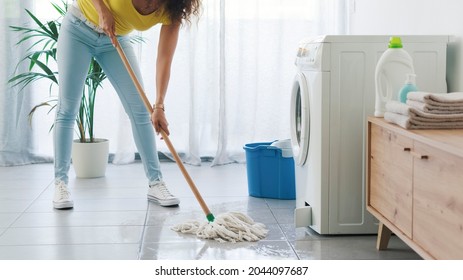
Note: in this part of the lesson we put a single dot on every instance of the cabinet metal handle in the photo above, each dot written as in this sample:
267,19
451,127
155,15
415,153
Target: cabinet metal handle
407,149
417,155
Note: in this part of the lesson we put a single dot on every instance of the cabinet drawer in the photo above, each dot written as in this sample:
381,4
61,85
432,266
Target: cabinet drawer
390,186
438,202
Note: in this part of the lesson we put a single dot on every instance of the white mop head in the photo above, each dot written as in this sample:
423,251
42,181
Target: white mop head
228,227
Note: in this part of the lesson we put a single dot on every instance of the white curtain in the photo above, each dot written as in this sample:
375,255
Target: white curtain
231,78
19,141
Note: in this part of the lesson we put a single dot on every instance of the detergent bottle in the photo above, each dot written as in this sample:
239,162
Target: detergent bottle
393,66
410,85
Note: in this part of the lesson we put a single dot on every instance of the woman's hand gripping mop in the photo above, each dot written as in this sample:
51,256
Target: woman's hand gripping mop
227,227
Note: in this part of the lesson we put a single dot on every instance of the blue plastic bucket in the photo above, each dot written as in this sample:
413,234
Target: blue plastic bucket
270,175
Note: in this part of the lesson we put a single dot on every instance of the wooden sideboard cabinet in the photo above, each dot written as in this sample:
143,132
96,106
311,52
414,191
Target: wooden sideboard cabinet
415,187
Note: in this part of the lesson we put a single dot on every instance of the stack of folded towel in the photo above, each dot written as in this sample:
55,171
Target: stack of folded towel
427,111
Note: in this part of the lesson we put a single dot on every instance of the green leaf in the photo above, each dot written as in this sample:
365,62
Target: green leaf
39,23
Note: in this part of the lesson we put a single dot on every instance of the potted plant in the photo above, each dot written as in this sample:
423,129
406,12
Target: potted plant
89,154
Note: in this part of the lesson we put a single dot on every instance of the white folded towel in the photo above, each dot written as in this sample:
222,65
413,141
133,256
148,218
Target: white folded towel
435,109
408,123
438,99
419,115
401,120
409,117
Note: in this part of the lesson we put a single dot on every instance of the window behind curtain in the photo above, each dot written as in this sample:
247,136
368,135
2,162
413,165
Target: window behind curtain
230,83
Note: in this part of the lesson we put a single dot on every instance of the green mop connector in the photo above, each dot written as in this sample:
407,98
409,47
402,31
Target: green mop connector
210,217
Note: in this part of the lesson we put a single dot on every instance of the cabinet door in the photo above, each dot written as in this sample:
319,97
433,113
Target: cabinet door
390,188
438,202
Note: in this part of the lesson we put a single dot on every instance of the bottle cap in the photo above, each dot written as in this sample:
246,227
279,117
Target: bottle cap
395,43
411,79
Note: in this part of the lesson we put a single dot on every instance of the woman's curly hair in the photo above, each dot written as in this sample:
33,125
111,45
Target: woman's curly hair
181,10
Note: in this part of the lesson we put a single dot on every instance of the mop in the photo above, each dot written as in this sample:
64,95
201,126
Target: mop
227,227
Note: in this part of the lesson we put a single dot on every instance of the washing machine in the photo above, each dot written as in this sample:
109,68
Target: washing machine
332,95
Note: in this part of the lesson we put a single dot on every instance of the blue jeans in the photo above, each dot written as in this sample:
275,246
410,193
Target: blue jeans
77,44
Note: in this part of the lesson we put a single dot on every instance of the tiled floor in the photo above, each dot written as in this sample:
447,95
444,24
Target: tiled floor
113,220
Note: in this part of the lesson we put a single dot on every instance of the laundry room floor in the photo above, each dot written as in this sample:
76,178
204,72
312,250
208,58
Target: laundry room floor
112,219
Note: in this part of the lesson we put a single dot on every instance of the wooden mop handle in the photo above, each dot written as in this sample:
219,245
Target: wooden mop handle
134,78
164,135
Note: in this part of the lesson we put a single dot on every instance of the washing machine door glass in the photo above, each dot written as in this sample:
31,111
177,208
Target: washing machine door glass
300,119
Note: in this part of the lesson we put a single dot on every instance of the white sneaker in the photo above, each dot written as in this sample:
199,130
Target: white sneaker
159,193
62,198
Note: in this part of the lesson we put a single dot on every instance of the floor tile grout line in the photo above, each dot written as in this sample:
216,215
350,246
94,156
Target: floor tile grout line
77,226
142,236
27,208
67,244
3,231
294,249
284,233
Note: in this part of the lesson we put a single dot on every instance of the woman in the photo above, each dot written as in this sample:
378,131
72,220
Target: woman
92,28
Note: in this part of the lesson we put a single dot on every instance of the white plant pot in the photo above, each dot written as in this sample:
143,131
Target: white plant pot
90,159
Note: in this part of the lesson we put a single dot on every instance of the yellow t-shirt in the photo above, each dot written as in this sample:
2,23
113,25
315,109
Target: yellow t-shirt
126,16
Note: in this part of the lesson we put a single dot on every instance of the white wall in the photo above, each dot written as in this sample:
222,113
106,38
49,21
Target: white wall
414,17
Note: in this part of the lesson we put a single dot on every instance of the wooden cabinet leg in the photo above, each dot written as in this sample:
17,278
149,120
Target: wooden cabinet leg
384,234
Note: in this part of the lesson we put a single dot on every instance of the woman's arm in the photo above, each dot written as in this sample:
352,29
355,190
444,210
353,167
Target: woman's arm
106,20
166,49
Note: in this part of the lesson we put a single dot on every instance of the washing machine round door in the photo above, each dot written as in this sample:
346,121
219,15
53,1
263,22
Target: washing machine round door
300,119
